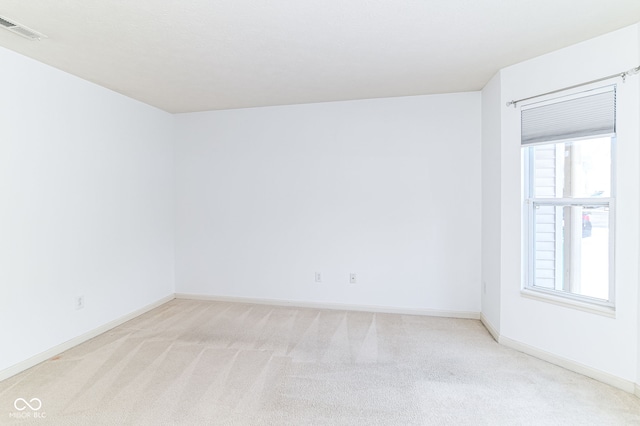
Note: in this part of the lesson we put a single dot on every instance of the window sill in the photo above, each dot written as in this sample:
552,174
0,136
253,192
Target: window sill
569,303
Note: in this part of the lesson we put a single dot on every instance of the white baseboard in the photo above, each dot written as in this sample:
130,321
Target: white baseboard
598,375
576,367
335,306
490,328
50,353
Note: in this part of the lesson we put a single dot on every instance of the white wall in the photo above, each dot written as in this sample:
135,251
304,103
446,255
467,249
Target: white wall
388,189
638,312
606,344
491,206
86,183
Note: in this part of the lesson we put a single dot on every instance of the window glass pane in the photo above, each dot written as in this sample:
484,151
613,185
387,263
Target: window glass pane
576,169
571,249
594,264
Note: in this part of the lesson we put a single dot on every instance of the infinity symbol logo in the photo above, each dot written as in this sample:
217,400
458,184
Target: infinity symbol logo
21,404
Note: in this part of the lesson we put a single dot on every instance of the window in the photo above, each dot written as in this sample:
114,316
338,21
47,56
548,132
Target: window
568,150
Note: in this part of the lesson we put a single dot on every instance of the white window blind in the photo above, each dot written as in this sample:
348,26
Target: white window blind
588,115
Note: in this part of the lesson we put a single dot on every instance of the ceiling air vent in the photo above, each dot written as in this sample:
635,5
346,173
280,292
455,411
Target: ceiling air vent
20,29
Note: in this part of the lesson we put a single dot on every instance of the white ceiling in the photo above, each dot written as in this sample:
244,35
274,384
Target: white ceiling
197,55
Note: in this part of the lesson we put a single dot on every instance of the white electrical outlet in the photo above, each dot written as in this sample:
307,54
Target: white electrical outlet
79,302
352,278
318,277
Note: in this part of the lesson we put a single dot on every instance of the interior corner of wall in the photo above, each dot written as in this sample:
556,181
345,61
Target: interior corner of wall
494,331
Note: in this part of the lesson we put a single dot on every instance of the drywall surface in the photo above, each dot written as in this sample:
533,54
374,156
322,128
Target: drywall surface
638,312
599,342
491,197
86,182
388,189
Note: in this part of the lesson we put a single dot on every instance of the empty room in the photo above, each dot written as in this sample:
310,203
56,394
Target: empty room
320,213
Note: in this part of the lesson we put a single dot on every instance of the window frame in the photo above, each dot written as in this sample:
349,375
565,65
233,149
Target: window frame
529,203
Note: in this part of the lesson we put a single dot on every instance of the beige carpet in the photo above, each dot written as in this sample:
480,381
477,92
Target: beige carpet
211,363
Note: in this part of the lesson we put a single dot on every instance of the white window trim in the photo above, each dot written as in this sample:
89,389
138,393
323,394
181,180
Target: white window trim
568,302
571,300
